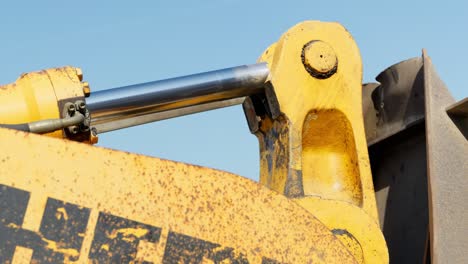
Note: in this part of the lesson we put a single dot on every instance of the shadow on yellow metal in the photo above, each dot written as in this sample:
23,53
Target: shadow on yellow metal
67,201
312,146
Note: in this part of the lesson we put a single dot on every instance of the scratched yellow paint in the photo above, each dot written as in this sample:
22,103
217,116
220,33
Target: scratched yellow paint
316,150
137,232
199,202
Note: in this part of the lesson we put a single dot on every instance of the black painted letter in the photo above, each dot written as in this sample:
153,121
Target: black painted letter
116,239
60,235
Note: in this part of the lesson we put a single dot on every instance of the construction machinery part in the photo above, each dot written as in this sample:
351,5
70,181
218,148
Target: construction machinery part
396,103
394,121
147,102
78,203
48,125
158,116
458,112
447,167
311,133
411,126
39,96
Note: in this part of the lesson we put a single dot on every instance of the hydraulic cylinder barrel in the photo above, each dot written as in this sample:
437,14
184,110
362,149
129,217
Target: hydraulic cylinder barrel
147,102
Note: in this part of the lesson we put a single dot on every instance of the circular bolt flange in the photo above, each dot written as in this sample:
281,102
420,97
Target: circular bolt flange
319,59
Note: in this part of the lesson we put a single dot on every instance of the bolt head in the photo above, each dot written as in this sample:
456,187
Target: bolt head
73,129
319,59
71,108
82,105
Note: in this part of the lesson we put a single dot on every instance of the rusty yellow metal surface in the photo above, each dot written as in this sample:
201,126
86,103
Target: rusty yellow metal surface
352,225
41,95
64,201
314,150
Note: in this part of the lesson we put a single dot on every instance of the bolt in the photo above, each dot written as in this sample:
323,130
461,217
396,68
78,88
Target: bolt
73,129
79,73
81,105
86,89
71,108
319,59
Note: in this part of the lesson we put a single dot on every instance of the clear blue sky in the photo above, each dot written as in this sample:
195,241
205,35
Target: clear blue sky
118,43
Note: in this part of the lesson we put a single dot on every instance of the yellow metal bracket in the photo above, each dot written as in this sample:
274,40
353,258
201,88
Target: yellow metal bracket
311,133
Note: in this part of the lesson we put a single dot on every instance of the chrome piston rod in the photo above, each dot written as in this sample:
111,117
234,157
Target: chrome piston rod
148,102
